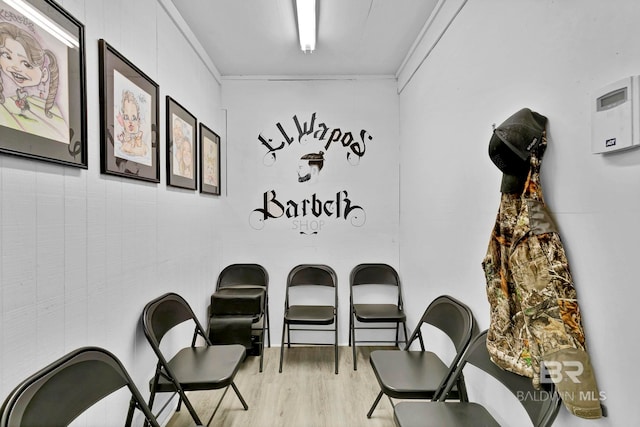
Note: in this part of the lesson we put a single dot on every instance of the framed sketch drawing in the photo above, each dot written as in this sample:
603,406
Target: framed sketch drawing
129,143
181,146
209,161
42,83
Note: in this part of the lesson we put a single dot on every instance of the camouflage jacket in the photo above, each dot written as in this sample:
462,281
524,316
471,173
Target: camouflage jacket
534,312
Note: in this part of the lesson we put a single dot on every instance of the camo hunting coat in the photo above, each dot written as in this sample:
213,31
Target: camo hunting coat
534,309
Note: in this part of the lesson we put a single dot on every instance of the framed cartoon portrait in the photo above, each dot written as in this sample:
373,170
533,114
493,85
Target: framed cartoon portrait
181,146
209,161
42,83
129,142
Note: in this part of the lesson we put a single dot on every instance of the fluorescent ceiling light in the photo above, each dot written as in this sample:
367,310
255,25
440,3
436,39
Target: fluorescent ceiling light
44,22
306,11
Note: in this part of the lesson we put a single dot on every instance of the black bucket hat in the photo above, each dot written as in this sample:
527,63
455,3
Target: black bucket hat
511,146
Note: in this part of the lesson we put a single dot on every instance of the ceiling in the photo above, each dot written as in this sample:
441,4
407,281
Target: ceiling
260,38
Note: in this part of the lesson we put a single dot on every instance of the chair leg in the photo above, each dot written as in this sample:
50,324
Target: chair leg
284,326
244,404
375,403
132,407
268,327
138,402
262,351
261,346
406,336
350,324
462,389
421,342
335,345
397,332
352,338
335,319
154,384
190,407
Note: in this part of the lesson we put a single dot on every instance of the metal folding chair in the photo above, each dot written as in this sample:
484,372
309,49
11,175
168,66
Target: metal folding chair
204,367
364,315
422,374
59,393
542,405
310,275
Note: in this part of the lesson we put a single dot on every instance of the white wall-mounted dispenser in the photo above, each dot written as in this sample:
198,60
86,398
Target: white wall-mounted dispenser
615,116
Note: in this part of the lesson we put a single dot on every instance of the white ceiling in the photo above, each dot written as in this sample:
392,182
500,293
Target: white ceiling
259,37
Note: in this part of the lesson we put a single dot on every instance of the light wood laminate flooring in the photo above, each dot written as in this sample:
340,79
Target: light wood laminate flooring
306,394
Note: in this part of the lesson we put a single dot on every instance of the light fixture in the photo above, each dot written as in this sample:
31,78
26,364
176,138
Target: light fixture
306,12
44,22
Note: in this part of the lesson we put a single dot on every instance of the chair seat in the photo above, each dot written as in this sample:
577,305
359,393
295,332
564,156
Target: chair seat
408,374
438,414
309,314
378,313
204,368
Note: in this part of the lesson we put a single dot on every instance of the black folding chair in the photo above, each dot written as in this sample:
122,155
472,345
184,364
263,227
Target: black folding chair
366,314
59,393
422,374
205,367
310,275
242,292
542,405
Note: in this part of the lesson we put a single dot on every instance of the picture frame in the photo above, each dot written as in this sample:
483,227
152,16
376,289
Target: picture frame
43,103
209,161
129,116
182,152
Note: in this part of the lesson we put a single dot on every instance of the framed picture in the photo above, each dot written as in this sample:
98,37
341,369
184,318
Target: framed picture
42,83
129,143
181,146
209,161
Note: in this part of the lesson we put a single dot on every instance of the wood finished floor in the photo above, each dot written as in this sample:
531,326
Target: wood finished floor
306,394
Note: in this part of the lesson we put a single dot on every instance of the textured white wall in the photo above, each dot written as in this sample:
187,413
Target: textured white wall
80,252
497,57
255,107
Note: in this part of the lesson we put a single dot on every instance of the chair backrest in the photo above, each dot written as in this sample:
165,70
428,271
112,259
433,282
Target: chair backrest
542,405
314,275
60,392
452,317
456,320
243,275
374,274
164,313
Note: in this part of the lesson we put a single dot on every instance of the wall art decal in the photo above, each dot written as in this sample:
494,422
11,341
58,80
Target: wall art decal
311,202
310,213
284,135
310,166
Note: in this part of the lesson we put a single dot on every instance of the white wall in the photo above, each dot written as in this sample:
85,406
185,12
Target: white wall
497,57
80,252
254,108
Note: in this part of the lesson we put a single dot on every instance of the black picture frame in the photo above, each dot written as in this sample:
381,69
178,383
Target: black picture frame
43,104
182,151
129,116
209,161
